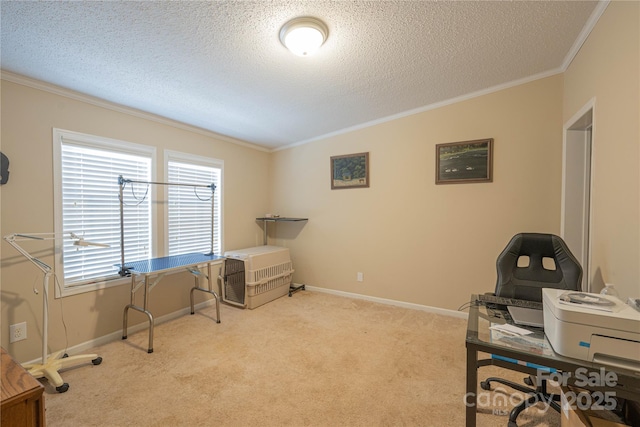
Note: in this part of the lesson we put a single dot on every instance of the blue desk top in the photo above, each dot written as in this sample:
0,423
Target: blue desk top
163,264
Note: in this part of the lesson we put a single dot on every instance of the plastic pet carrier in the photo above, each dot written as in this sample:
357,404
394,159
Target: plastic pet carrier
256,276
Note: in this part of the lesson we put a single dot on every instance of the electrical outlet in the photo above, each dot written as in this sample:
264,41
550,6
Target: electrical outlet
18,332
360,277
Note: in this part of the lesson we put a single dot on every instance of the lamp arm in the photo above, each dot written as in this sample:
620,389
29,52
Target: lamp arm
11,239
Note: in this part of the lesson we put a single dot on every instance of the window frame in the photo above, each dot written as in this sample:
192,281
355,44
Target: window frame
99,143
181,157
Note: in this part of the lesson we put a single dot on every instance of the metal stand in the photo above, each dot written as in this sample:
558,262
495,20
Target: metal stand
122,182
158,268
293,288
266,220
197,274
128,270
50,366
143,309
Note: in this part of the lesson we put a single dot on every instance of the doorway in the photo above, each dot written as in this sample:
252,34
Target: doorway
576,188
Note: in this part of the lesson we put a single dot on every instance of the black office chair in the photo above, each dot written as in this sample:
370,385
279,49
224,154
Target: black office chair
550,264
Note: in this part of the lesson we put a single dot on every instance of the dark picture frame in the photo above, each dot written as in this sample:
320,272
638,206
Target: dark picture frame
464,162
350,171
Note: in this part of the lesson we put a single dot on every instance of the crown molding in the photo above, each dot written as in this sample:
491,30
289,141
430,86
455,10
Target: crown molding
429,107
586,30
77,96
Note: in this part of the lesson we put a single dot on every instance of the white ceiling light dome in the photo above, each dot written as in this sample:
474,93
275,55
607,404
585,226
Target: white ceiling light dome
304,35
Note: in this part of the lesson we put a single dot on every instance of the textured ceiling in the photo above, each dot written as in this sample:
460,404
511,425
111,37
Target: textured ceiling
219,65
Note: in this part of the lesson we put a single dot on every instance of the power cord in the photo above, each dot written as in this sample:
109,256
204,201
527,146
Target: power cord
64,324
467,305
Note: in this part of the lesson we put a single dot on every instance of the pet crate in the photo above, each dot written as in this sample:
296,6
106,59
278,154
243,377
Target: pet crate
256,276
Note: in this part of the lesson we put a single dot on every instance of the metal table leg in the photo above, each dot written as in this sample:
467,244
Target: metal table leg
209,291
140,309
470,398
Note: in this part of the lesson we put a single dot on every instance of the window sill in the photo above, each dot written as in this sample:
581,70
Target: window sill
66,291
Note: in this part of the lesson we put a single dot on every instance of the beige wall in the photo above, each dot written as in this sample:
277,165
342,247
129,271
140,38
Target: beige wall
28,116
607,68
415,241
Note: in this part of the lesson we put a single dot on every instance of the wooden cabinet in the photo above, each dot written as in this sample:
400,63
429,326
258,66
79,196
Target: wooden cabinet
22,396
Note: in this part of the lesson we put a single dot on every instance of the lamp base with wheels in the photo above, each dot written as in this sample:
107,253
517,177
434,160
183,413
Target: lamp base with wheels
57,362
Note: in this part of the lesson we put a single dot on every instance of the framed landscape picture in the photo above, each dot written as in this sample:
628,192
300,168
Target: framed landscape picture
464,162
350,171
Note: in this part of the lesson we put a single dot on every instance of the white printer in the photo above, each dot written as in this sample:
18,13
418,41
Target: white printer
593,327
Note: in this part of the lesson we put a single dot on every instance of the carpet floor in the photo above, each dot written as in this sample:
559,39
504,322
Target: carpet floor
310,360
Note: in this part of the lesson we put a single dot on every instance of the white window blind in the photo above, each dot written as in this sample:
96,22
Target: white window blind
189,208
90,207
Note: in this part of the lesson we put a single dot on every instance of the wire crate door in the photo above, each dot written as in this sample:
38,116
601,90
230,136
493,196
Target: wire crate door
234,288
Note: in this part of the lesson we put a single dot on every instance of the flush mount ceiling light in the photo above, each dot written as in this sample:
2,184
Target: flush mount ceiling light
303,36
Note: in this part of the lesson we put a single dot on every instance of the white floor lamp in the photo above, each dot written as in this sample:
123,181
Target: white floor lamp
50,366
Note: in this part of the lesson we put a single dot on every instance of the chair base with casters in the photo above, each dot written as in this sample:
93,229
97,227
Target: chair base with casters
535,395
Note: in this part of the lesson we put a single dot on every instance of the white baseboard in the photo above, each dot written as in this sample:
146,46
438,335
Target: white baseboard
114,336
117,335
427,308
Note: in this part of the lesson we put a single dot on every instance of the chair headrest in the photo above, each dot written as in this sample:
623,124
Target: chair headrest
526,282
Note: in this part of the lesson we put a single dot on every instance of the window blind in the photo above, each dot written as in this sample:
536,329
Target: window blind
189,208
90,207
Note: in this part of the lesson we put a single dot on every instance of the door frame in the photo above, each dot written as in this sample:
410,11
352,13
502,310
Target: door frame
583,120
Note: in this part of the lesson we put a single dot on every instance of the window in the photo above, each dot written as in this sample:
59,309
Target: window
189,209
86,171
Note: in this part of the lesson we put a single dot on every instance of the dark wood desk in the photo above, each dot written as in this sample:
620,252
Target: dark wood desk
532,351
22,399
